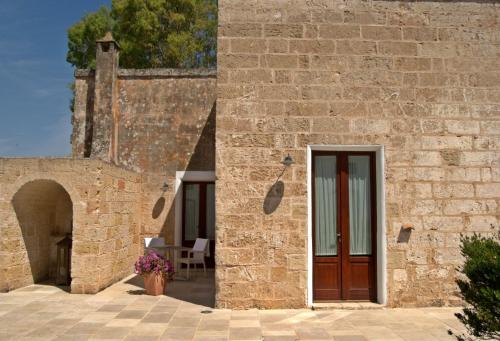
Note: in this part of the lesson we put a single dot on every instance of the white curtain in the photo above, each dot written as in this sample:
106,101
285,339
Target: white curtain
359,205
211,211
325,206
192,211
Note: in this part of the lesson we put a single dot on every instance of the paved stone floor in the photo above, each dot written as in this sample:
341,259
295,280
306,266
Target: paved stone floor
123,312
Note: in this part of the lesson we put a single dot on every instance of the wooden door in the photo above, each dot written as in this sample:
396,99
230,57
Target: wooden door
198,215
344,226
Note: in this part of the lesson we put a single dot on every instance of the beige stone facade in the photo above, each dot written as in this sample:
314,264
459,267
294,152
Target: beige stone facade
419,78
103,217
133,132
419,82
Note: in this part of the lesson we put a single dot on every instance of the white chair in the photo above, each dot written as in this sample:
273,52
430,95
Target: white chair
196,255
150,243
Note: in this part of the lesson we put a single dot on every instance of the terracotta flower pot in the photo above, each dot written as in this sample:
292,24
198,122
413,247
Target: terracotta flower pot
154,283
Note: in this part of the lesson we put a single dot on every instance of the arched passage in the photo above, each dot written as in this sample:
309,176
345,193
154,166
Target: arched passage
45,214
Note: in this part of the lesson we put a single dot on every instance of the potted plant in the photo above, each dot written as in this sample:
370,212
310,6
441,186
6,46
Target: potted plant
155,270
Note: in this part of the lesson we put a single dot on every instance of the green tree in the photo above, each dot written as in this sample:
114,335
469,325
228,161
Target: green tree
83,35
151,33
480,287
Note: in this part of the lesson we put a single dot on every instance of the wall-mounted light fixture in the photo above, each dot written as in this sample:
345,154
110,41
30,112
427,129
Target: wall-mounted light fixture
288,161
164,187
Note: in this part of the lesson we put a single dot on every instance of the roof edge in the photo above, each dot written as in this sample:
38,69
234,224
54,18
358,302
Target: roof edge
153,73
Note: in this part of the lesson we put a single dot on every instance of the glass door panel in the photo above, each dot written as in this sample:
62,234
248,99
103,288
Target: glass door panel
359,205
326,206
210,212
192,212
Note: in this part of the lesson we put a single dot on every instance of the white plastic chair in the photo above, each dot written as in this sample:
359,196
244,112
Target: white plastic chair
196,255
150,243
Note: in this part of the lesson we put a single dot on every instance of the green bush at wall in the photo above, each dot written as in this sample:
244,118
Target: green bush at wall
480,287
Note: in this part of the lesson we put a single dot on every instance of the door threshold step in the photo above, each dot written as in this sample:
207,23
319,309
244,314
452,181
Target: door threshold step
347,305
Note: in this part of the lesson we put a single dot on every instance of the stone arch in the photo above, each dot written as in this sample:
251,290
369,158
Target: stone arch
45,215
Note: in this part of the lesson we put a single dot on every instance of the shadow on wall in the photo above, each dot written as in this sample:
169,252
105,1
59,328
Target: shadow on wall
202,159
275,194
158,208
404,235
44,211
273,197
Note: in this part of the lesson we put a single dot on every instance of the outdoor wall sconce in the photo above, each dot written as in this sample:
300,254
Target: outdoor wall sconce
408,227
164,187
288,161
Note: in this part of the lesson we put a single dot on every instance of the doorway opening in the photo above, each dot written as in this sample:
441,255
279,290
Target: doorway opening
346,224
198,216
45,213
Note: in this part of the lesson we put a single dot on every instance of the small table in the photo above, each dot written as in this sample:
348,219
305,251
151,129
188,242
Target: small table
172,251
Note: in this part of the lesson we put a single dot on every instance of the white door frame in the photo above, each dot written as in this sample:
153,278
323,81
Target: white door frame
180,177
381,235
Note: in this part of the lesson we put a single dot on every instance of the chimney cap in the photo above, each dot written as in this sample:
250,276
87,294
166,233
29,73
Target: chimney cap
108,38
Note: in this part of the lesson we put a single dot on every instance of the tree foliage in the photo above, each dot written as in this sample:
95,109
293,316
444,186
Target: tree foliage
480,287
151,33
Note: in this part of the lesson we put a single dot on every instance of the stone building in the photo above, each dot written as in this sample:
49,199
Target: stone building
389,112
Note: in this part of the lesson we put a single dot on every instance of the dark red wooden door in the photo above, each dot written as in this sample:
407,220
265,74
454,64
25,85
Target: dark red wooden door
344,226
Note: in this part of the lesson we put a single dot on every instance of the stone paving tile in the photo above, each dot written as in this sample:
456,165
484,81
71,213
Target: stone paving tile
47,313
157,318
244,323
86,328
210,338
280,338
141,338
213,325
178,333
99,317
184,321
149,329
111,333
248,333
123,323
351,338
131,314
112,308
314,333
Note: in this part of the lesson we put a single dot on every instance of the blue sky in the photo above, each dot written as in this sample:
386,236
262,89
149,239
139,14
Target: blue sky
35,119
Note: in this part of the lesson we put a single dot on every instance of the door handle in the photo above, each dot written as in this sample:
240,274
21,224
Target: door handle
339,236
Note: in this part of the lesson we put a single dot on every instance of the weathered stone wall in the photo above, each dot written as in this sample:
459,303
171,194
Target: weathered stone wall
420,78
44,212
105,204
165,122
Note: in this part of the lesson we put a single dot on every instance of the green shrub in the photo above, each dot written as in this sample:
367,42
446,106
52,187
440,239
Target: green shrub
480,287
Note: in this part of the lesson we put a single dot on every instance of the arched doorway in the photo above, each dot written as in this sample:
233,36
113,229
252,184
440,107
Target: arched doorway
45,213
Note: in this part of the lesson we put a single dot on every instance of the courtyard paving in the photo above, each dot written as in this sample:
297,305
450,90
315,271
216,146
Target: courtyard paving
124,312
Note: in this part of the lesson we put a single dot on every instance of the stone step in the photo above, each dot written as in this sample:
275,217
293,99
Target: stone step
347,306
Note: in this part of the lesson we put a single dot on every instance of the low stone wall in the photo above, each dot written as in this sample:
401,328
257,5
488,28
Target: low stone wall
105,225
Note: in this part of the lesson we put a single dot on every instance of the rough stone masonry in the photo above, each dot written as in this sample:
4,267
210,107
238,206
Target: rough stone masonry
421,78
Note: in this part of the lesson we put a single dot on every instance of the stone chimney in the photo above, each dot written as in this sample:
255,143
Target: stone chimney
105,120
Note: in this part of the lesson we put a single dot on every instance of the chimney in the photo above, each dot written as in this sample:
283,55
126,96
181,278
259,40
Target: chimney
105,120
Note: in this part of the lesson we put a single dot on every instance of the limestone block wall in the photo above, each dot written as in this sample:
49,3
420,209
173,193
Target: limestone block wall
420,78
164,122
105,226
44,211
